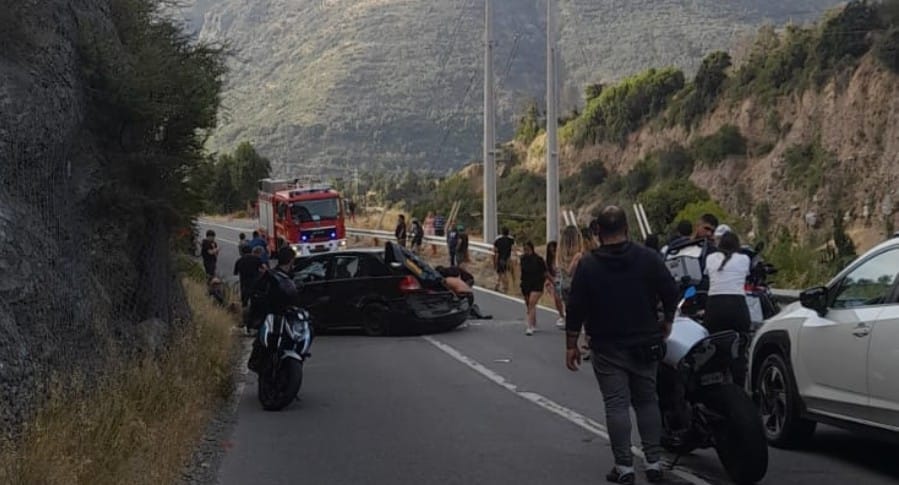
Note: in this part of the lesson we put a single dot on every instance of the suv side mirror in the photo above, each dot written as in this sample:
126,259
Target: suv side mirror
815,299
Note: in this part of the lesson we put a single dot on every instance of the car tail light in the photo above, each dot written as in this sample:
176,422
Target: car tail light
409,283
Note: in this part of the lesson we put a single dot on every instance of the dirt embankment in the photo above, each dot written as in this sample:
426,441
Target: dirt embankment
856,118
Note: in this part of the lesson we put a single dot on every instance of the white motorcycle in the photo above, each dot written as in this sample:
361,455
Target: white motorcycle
702,407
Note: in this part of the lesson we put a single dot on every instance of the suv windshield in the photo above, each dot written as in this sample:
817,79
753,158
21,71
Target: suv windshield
314,210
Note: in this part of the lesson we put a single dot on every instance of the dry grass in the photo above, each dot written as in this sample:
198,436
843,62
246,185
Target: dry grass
141,424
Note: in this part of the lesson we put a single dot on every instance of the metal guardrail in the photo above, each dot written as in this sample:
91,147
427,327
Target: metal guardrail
476,246
781,295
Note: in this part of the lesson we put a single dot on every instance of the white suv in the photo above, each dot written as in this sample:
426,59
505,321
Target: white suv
833,356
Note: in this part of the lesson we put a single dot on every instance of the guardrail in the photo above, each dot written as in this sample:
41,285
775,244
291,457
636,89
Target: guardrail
781,295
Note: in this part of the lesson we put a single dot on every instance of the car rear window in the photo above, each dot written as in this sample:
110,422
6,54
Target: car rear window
412,264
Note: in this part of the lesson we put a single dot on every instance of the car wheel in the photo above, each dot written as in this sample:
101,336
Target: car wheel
779,404
377,320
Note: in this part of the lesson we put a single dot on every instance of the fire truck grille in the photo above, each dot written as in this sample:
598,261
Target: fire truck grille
316,235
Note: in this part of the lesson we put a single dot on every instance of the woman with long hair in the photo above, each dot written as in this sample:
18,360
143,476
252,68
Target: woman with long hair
726,307
587,243
533,277
554,281
569,250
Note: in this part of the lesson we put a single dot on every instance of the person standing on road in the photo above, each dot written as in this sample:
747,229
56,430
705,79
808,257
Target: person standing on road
616,292
210,251
502,256
533,277
259,242
418,236
726,307
452,243
462,247
248,269
242,243
554,281
400,231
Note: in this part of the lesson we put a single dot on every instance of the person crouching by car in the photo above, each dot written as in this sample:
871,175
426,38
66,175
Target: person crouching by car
460,282
616,291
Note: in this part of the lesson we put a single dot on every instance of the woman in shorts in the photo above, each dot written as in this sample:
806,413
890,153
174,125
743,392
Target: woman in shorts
533,277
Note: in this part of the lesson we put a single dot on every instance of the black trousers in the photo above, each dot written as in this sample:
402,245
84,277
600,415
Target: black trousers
730,312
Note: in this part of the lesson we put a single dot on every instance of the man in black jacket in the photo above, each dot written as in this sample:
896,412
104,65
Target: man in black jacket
616,292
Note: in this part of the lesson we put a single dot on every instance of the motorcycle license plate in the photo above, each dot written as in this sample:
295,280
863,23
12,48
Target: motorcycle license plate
713,378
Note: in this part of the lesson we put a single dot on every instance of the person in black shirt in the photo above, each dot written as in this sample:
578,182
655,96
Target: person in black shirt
615,292
502,255
400,231
533,277
210,252
248,268
418,235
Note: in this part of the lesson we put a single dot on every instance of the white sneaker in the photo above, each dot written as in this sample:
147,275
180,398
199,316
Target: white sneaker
529,332
560,323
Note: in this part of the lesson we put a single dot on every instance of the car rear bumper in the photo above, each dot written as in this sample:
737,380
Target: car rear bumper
432,312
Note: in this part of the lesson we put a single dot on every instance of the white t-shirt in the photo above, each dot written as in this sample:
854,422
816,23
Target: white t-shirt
732,278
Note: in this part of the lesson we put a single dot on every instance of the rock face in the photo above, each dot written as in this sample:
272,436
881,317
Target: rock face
399,82
70,296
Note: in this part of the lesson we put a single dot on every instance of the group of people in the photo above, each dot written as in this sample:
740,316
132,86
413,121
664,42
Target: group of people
403,232
616,293
412,236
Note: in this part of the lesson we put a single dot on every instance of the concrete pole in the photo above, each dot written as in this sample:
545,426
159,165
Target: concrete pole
552,144
490,219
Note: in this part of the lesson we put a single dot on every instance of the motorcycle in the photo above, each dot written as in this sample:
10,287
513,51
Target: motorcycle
702,407
279,353
758,286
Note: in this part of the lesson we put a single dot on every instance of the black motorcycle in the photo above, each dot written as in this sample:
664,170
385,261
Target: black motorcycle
703,408
279,353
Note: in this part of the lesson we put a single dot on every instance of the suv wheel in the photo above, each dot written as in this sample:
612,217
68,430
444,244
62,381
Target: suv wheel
779,404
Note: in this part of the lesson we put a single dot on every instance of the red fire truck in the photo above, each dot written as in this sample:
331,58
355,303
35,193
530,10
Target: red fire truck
308,216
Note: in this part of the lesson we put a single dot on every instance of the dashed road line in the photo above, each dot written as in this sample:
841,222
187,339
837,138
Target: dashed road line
548,404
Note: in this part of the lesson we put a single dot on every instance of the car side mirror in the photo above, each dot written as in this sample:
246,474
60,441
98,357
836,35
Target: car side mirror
815,299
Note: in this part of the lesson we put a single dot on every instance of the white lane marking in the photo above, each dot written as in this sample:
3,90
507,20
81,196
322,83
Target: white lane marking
568,414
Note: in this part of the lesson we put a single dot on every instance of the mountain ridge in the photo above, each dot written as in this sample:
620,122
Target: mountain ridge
397,83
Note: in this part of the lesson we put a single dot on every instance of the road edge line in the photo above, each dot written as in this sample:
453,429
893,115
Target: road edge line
547,404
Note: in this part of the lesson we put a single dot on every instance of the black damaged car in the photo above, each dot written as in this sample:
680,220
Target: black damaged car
383,291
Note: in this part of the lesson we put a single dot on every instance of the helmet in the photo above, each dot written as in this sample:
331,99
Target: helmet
722,230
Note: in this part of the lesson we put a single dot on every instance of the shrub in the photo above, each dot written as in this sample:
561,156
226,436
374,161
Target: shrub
639,178
619,110
576,188
798,266
693,211
528,124
665,200
886,49
712,149
674,162
805,165
762,213
700,96
846,34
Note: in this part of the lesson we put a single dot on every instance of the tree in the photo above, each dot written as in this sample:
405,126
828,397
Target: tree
249,169
529,124
664,201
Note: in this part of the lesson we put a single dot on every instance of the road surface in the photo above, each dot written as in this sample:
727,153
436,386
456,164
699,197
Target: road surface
483,404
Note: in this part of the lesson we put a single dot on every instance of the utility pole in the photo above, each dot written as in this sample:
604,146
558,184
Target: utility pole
490,219
552,121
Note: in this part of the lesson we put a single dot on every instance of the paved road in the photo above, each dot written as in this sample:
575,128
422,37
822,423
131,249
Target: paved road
483,404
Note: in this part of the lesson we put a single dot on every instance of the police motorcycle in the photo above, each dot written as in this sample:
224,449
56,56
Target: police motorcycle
280,350
701,406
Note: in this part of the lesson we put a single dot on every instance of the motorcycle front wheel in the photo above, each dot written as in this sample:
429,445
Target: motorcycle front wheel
739,438
278,387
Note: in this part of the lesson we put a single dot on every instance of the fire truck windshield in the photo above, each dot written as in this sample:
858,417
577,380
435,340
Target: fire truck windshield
314,210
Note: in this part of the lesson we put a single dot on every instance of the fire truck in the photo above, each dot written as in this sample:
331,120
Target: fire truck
308,216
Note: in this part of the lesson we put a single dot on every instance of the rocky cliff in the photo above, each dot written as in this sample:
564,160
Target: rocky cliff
77,293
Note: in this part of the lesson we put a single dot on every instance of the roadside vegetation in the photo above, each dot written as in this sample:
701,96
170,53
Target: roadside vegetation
140,423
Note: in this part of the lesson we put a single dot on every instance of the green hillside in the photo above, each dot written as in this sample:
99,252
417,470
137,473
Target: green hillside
386,83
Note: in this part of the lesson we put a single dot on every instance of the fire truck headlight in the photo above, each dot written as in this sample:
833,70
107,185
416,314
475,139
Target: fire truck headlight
333,235
343,243
304,238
